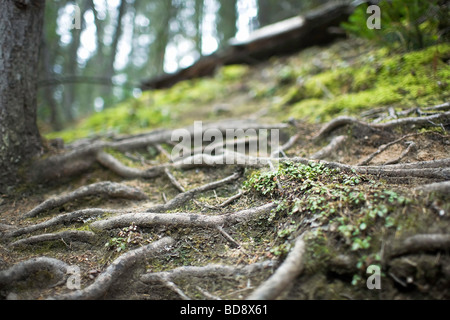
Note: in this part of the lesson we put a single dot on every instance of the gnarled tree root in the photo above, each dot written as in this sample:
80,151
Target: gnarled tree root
436,169
81,158
147,219
334,144
117,167
290,269
60,219
111,189
210,270
422,243
65,236
117,268
26,269
184,197
344,120
441,187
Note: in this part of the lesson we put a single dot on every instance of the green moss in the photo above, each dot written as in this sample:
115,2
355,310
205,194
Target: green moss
382,80
232,72
356,206
181,104
299,89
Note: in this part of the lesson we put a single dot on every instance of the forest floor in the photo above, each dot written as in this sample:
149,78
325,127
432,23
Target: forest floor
358,184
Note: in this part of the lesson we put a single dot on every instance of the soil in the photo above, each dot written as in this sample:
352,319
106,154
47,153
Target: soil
331,269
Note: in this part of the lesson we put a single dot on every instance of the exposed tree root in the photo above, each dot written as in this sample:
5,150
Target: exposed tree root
172,286
82,157
337,123
229,200
174,181
292,141
85,155
291,267
335,144
147,219
184,197
211,270
384,147
65,236
70,217
208,271
207,294
117,268
418,121
411,146
162,136
117,167
440,107
110,189
220,147
25,269
422,243
442,187
67,164
437,169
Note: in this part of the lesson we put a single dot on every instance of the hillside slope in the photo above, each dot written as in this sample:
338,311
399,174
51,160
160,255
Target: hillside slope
359,183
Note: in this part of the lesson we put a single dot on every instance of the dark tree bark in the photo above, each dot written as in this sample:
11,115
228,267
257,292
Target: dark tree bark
227,18
109,67
71,66
21,24
199,7
46,69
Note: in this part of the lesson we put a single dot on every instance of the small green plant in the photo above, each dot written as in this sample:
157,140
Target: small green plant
126,236
414,24
353,204
117,243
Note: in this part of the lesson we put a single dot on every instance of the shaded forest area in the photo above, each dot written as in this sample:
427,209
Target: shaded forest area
349,201
120,44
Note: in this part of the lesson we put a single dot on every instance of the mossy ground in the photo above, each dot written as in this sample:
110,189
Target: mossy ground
350,215
348,77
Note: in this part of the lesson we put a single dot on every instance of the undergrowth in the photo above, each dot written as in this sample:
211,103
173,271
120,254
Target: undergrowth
353,209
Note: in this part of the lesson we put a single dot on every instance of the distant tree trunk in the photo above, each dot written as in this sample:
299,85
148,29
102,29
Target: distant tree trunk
21,24
199,6
72,66
109,68
162,15
227,18
99,32
48,97
271,11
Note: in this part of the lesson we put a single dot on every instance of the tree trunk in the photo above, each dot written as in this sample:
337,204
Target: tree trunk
21,24
48,91
226,24
199,7
163,14
72,68
109,67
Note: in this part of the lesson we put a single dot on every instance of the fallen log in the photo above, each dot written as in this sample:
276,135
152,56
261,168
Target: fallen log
281,38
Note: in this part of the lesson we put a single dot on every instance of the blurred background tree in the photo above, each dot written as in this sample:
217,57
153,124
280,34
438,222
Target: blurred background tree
406,24
121,42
